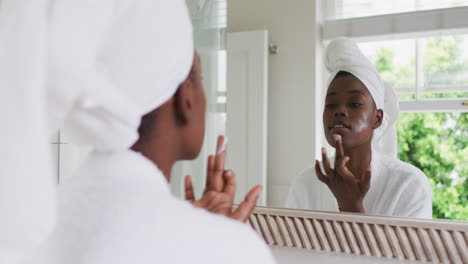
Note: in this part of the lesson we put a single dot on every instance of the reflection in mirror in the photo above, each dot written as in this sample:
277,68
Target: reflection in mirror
429,145
359,120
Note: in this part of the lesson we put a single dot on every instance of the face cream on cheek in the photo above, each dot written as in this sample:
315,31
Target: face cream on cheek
361,125
362,130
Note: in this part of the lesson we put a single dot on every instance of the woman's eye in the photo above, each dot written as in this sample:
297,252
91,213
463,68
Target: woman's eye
330,105
355,104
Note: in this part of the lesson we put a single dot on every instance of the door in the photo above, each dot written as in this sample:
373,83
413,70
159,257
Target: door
246,110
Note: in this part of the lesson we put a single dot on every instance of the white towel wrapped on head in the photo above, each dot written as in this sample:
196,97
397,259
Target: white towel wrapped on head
122,70
343,54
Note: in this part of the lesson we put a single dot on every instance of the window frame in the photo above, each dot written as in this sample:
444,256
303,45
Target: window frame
414,25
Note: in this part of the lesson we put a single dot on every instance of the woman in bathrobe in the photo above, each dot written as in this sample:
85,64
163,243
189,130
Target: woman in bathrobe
128,67
359,120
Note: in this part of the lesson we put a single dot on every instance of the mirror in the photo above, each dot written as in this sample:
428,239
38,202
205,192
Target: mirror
265,82
427,67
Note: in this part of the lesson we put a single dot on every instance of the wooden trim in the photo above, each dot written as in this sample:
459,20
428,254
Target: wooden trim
435,241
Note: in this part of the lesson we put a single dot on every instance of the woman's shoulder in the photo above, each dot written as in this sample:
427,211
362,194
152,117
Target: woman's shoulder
400,169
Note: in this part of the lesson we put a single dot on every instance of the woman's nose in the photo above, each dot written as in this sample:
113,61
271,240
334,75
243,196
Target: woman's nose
341,111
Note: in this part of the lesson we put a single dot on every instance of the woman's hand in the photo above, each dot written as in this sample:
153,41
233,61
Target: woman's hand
220,189
348,189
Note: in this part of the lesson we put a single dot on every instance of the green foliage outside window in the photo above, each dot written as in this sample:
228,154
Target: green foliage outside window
443,63
436,143
398,76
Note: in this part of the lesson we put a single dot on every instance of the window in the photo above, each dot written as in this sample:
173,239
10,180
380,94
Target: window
427,63
425,68
444,66
395,60
430,70
437,143
342,9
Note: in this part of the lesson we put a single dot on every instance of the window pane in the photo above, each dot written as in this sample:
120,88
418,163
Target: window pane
445,64
395,60
437,144
340,9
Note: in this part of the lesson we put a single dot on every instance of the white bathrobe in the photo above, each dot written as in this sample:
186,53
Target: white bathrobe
397,189
119,209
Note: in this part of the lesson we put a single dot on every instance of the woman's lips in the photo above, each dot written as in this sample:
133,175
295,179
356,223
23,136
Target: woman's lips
339,129
339,126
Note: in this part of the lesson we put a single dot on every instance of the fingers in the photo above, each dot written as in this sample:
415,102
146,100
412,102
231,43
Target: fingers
341,168
221,144
365,181
230,186
220,157
244,210
217,182
326,164
217,203
210,165
209,171
341,160
338,146
189,194
319,173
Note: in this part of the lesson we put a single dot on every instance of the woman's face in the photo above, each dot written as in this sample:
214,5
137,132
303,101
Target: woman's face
350,112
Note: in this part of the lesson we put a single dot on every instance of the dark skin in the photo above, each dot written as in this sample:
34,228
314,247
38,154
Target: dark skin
349,120
177,134
220,190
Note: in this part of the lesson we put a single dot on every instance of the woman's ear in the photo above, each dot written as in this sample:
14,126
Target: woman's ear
184,100
378,118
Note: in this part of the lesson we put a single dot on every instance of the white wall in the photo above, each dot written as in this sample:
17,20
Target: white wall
292,112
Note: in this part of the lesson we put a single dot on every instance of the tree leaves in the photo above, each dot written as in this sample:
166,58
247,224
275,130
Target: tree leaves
441,152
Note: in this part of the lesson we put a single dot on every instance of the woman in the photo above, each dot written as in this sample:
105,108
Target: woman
359,122
140,75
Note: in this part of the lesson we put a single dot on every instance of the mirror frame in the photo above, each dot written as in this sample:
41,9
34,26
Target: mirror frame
437,241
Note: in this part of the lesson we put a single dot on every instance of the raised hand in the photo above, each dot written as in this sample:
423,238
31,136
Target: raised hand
220,190
348,189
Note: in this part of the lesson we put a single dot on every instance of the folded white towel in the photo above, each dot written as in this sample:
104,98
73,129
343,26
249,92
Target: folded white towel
112,62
